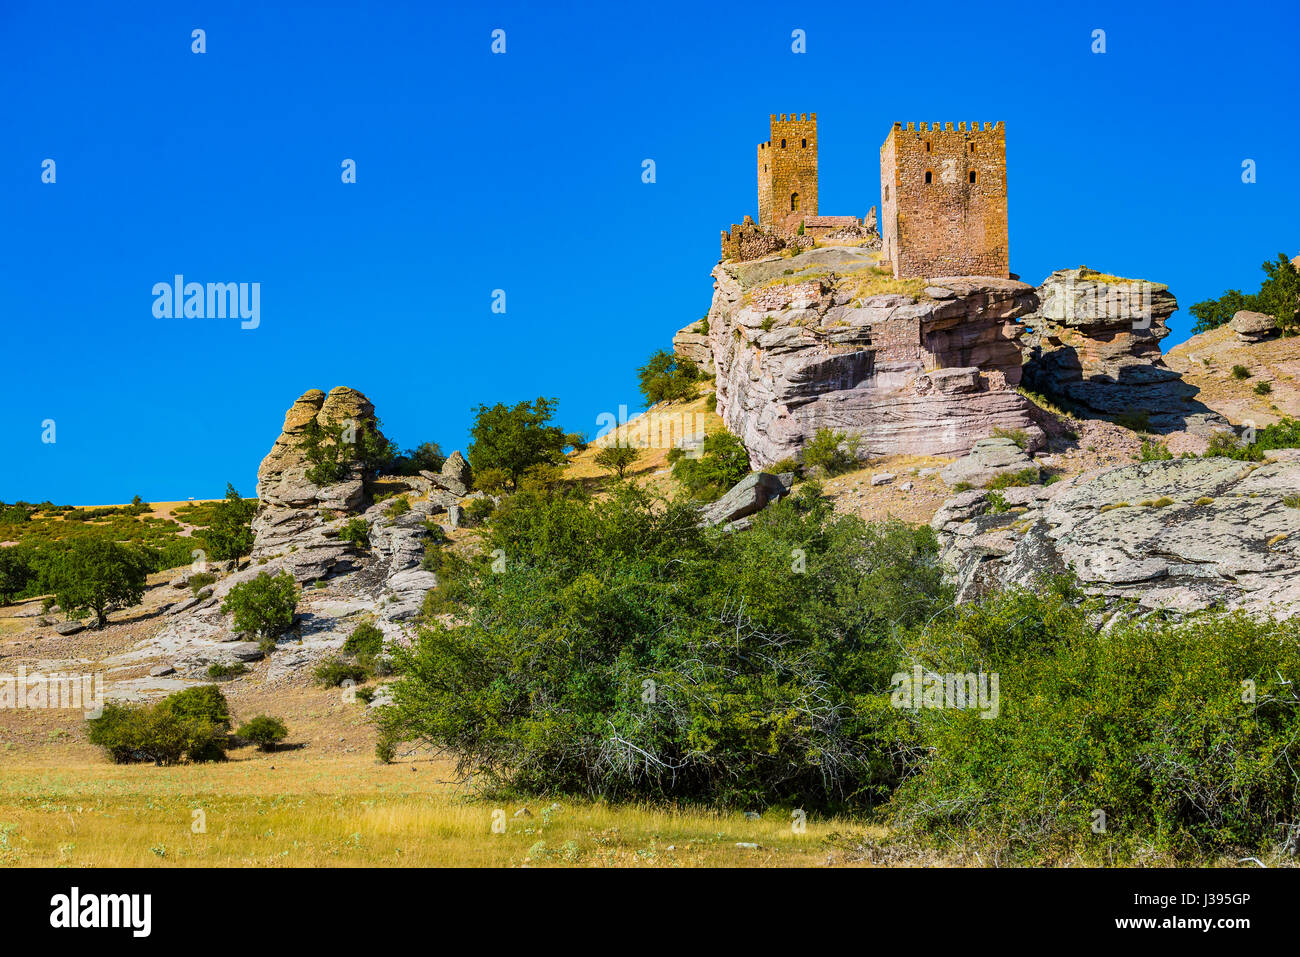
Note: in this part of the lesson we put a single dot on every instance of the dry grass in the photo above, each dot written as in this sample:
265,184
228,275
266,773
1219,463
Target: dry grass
298,809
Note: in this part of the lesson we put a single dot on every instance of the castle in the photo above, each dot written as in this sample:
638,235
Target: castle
943,198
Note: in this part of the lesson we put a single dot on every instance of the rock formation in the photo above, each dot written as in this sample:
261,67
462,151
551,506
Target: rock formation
1182,534
693,345
825,340
1094,346
988,459
297,530
1253,326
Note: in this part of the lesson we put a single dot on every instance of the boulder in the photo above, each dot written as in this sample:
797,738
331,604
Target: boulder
988,459
69,627
1253,326
246,650
456,475
161,671
749,495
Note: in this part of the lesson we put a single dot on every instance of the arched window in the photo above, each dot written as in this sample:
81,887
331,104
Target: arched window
972,147
783,144
972,176
794,201
929,177
805,144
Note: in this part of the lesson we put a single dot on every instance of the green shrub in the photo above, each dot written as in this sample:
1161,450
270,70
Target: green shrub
1028,476
365,644
191,724
1153,450
264,606
333,671
480,509
201,581
220,672
1018,436
398,507
264,731
230,534
92,573
1186,735
335,449
1240,372
1282,434
722,463
711,402
1263,388
507,441
623,651
356,532
831,452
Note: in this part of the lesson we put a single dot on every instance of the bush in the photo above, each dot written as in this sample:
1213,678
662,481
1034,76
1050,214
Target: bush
264,731
16,572
398,507
723,462
1240,372
1282,434
356,533
333,671
201,581
220,672
263,606
1028,476
365,644
335,449
480,509
426,457
623,651
1153,450
191,724
1153,723
1018,436
831,452
1263,388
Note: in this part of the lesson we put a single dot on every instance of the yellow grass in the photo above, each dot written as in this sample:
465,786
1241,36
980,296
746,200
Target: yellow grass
293,810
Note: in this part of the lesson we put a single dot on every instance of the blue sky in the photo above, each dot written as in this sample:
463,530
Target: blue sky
522,172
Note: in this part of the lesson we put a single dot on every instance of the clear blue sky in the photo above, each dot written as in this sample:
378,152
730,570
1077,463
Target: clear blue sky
522,172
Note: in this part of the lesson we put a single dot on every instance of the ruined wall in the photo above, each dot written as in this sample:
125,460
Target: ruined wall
944,200
747,240
787,167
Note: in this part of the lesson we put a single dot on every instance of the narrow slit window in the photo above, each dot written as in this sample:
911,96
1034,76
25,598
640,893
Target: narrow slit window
783,144
929,177
927,146
805,144
972,176
794,202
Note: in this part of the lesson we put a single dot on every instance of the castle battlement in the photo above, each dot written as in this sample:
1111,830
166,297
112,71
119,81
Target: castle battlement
947,127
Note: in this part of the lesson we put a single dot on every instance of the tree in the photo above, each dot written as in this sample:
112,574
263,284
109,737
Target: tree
16,573
1278,296
93,573
667,377
263,606
516,438
616,458
231,535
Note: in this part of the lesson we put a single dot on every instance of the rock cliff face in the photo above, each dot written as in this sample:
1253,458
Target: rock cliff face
1094,346
824,340
1181,535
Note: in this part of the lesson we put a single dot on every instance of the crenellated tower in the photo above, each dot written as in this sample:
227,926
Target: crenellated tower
943,195
787,172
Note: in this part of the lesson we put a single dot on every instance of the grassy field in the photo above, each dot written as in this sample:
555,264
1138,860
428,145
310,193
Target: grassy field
290,809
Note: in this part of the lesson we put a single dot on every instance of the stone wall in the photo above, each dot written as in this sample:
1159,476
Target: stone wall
787,166
944,200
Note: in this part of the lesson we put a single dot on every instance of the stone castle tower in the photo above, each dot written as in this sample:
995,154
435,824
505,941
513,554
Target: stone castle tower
943,195
787,172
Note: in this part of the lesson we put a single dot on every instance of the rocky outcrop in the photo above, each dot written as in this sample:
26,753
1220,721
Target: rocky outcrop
1094,347
1182,535
989,458
693,345
291,518
827,340
1253,327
